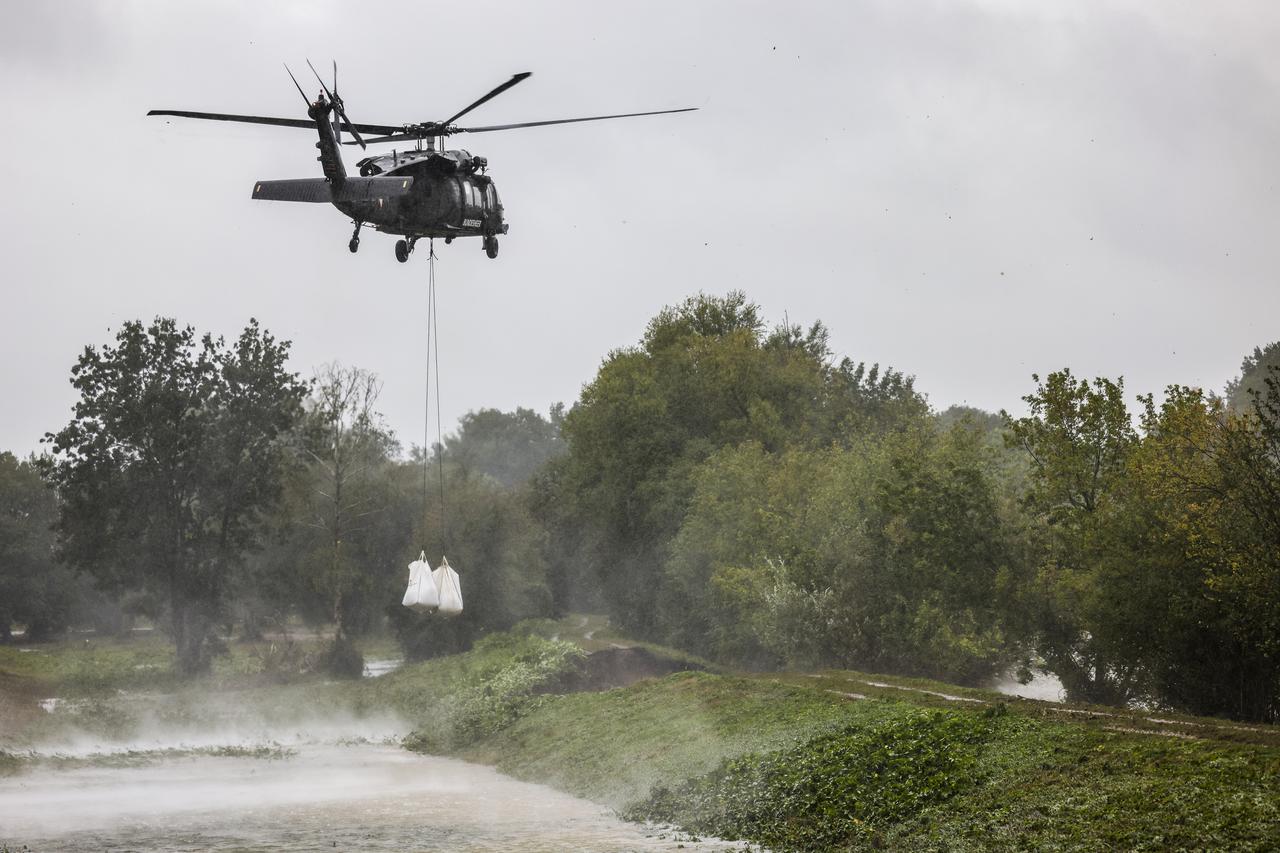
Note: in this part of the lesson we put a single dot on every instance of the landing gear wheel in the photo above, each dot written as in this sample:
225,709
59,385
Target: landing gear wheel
491,246
354,245
402,251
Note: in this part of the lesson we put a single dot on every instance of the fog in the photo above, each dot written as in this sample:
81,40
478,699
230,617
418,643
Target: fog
257,783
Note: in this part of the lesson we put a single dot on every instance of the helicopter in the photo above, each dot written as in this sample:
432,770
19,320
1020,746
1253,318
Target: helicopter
423,192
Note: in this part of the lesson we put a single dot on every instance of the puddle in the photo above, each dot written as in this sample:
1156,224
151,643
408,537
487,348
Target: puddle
375,668
1045,687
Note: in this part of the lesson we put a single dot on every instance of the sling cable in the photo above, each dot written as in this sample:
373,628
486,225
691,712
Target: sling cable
437,589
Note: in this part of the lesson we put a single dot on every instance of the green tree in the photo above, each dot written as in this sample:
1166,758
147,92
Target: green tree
705,376
507,446
35,590
1078,438
346,449
1259,366
1185,579
1203,558
890,555
169,463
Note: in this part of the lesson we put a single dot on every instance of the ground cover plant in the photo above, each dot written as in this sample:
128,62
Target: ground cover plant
834,790
460,698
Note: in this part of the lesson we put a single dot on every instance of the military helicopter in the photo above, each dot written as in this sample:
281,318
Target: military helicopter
423,192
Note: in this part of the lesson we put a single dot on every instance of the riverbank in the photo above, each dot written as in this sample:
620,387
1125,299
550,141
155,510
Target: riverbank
807,761
839,760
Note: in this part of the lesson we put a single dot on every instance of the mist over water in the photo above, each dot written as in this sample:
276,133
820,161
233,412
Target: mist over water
339,783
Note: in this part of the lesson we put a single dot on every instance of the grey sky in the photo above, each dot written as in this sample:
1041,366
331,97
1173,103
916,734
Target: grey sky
969,192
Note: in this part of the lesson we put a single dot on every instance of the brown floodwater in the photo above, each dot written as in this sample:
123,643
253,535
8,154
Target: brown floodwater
355,795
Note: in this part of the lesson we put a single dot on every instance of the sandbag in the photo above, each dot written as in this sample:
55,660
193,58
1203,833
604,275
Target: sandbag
450,589
422,594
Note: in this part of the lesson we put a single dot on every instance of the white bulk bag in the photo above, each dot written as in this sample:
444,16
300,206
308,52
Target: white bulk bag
422,594
450,590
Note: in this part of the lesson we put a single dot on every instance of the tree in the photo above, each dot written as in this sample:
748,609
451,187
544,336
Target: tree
35,591
1078,437
169,463
704,376
1262,364
1200,549
347,450
889,555
510,447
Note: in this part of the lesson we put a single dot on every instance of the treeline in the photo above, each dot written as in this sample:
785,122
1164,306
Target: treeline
741,492
729,488
204,487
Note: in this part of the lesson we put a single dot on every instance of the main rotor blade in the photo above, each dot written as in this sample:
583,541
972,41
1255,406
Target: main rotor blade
279,122
564,121
396,137
516,78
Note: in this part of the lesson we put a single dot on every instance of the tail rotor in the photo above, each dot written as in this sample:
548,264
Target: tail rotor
305,99
338,106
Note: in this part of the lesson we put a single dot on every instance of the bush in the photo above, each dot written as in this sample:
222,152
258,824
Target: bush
832,791
495,694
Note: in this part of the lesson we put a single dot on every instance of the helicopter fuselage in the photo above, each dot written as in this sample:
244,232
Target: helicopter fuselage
449,196
442,193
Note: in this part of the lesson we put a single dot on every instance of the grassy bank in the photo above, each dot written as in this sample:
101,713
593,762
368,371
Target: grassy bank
846,760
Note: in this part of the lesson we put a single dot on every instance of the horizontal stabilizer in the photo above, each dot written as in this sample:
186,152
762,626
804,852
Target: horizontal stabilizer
372,189
320,190
300,189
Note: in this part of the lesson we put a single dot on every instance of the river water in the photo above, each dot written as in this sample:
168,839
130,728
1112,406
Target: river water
316,794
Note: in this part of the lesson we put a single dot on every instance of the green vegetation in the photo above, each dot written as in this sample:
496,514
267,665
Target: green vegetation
1251,387
79,667
985,780
116,691
833,790
738,492
459,699
35,590
94,667
15,762
171,457
1156,547
800,763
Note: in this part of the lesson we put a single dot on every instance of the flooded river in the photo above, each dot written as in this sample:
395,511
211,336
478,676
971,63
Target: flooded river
353,796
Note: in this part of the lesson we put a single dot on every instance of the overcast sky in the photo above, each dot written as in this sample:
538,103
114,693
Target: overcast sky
969,192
